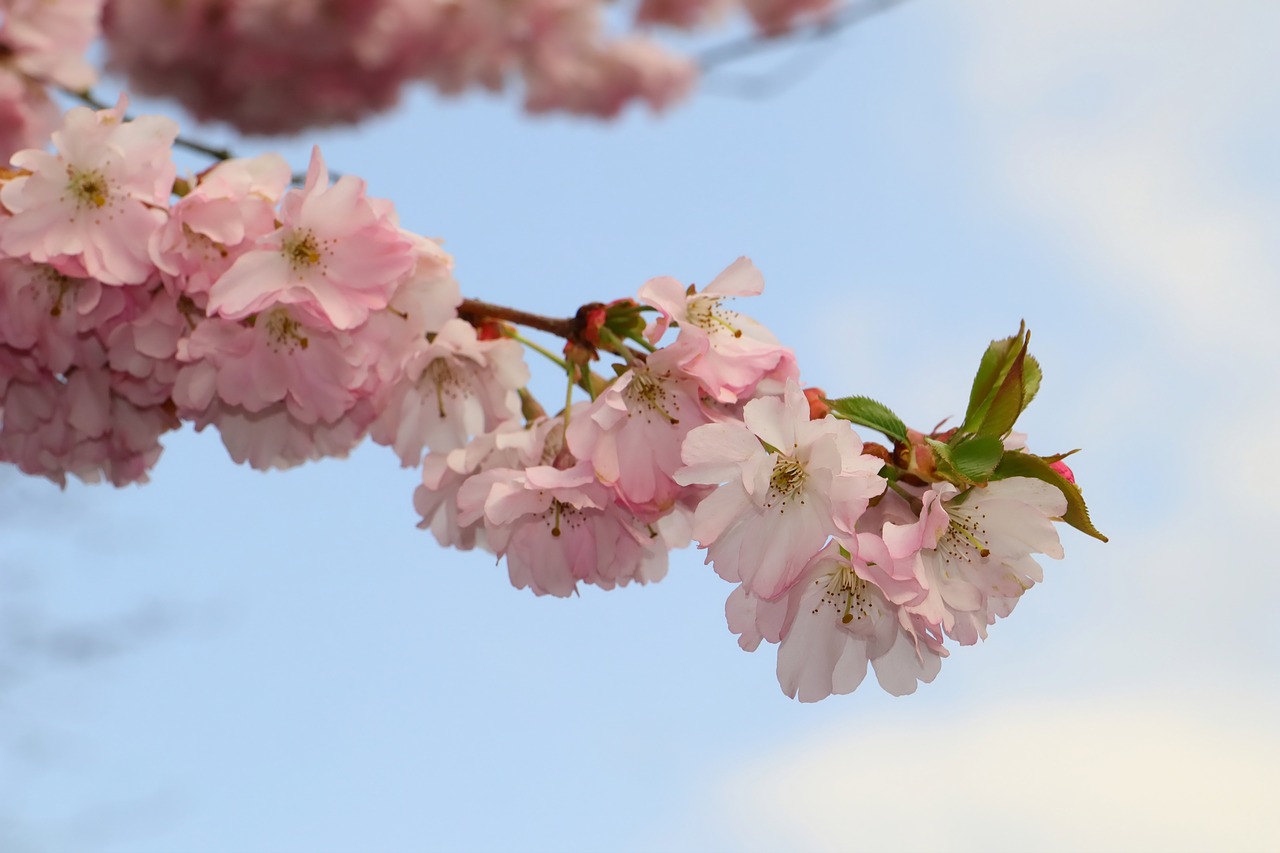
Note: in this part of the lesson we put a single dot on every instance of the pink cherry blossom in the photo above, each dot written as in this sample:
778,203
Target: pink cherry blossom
443,473
453,387
845,612
51,314
278,358
785,485
231,207
653,406
85,424
972,549
91,208
555,524
729,353
337,256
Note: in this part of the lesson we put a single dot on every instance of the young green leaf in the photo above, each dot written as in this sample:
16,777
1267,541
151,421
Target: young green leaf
995,364
1016,464
869,413
1008,401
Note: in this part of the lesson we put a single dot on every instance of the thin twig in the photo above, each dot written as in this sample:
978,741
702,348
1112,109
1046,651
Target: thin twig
851,15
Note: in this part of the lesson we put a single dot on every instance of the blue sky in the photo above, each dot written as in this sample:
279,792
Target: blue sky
282,662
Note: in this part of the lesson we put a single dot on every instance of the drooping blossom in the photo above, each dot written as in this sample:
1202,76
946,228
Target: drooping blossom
559,526
453,387
845,612
785,484
91,424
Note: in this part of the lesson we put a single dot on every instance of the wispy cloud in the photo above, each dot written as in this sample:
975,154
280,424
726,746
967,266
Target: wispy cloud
1120,126
1144,773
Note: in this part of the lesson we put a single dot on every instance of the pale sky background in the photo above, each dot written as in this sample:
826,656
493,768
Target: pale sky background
226,660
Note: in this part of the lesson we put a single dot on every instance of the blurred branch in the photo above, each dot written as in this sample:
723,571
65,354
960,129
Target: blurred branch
851,15
772,82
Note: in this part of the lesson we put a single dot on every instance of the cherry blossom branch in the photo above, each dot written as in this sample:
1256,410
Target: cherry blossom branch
476,311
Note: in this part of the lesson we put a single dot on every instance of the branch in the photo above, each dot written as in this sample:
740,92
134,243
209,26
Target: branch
474,311
851,15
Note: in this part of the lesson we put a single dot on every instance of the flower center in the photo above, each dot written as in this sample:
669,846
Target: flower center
447,382
302,250
705,313
284,332
963,542
786,482
645,393
56,288
561,515
846,593
88,187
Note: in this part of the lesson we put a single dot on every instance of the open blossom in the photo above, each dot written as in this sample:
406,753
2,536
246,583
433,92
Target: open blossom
278,358
337,256
845,612
52,315
651,406
231,207
729,353
91,208
454,387
972,549
443,473
785,485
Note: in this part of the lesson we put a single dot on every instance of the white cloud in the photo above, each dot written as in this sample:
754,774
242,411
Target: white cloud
1116,123
1148,773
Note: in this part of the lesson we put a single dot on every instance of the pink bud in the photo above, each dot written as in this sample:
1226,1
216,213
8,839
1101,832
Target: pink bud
1061,468
818,408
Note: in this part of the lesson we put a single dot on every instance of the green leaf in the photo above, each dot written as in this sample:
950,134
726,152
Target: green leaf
1008,401
1017,464
1030,380
976,456
869,413
1007,380
995,364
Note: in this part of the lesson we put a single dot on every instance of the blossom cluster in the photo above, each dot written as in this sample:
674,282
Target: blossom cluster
276,66
299,318
289,318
